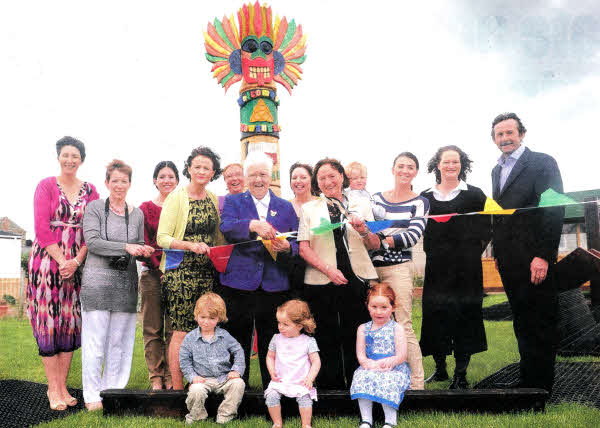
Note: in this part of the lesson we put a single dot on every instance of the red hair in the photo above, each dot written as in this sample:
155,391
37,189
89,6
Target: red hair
382,289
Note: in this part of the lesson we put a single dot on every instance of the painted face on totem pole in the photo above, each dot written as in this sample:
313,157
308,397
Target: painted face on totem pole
258,65
259,49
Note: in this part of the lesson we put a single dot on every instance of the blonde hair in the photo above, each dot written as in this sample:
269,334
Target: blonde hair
299,313
355,165
239,165
213,304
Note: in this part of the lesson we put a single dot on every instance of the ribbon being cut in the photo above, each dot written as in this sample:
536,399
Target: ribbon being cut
550,198
219,255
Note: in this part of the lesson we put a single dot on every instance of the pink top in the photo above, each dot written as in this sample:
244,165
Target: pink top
292,364
45,204
151,218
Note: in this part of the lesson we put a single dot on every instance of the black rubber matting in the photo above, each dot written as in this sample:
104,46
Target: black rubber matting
24,403
499,312
578,330
579,333
573,382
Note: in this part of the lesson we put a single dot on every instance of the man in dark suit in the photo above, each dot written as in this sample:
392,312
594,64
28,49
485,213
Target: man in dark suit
254,284
526,246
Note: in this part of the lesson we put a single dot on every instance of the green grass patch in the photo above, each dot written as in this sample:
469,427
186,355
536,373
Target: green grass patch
19,359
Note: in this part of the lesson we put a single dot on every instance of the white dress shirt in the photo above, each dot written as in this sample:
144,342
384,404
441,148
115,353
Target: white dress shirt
262,206
451,194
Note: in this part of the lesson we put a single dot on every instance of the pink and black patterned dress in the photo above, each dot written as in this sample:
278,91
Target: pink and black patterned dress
53,303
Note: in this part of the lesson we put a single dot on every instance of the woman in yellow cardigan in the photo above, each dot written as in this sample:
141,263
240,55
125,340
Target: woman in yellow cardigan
189,221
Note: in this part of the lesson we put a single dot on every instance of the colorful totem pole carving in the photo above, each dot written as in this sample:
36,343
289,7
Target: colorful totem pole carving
260,54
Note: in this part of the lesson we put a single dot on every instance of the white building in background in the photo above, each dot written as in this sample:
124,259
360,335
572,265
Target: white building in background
12,240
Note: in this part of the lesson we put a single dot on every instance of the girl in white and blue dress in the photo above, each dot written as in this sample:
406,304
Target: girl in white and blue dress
383,375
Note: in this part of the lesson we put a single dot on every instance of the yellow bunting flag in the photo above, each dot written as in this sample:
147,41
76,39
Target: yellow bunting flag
492,207
269,246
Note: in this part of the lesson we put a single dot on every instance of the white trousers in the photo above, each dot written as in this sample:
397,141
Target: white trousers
107,339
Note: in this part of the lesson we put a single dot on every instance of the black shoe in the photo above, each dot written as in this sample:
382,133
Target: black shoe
438,376
459,381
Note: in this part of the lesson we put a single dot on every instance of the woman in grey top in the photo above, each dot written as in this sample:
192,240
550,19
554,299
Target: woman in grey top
114,233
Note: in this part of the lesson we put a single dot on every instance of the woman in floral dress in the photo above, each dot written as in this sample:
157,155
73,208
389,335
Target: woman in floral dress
189,221
54,275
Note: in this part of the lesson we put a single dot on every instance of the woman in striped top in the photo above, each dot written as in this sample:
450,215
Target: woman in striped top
393,260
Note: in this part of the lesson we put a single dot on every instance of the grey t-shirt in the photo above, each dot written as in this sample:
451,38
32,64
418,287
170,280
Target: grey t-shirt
104,288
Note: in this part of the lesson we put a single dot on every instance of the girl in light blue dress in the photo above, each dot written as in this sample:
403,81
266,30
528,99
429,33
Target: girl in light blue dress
383,375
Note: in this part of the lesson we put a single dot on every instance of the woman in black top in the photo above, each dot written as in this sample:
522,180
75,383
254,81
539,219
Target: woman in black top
453,288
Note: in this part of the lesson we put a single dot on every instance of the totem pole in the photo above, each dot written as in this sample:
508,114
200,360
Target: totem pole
260,54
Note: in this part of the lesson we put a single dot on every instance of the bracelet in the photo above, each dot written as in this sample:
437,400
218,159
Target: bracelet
77,261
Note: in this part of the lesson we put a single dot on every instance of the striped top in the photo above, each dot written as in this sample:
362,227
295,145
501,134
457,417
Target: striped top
407,228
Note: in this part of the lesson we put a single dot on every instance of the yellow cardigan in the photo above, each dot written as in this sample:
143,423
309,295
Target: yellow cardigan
173,219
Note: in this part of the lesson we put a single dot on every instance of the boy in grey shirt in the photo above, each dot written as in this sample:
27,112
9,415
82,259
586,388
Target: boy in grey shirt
205,360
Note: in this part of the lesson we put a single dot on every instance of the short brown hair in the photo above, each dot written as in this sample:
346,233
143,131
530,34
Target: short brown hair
382,289
118,165
298,312
213,304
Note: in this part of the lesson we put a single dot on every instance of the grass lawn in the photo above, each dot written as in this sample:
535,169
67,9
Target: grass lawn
19,360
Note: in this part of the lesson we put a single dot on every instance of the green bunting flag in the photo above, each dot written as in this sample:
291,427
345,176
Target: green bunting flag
325,226
551,198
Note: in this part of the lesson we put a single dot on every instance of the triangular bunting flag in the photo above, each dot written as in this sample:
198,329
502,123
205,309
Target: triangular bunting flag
173,258
219,256
442,218
551,198
269,246
379,225
492,207
325,226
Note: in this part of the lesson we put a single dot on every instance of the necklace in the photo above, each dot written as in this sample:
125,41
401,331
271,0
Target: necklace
116,210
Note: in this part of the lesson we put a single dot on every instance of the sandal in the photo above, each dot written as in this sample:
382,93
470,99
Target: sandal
70,400
59,405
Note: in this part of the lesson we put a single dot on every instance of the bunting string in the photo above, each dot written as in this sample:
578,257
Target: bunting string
219,255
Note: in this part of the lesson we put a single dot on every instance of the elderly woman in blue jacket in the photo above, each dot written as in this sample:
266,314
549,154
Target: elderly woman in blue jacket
255,282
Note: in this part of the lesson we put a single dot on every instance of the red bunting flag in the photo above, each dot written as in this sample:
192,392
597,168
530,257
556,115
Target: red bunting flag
442,218
219,256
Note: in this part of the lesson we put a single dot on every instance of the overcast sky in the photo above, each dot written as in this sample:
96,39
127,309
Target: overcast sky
129,79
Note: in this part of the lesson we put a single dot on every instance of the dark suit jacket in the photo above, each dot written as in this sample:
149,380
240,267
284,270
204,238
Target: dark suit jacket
535,232
251,265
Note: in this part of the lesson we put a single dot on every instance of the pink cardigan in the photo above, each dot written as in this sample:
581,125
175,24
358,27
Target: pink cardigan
45,203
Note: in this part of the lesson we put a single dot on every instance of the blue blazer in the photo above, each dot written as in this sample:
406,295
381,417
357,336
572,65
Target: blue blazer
250,265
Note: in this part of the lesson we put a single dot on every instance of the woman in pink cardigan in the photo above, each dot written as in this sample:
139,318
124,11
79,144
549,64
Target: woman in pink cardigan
54,276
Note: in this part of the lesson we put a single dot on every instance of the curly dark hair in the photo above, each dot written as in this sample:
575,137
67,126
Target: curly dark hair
505,116
206,152
465,163
308,169
70,141
165,164
335,164
407,155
